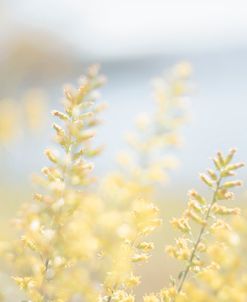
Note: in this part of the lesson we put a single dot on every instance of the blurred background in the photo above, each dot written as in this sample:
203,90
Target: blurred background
44,44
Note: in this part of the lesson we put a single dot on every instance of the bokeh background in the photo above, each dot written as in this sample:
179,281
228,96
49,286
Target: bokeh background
44,44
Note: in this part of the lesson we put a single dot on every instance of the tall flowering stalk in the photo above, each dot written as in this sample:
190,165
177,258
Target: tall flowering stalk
48,256
192,247
140,171
148,160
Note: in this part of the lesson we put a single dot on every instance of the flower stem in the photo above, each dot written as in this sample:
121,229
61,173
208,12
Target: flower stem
201,233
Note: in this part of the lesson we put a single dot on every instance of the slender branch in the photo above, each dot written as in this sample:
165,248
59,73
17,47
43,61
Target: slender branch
201,233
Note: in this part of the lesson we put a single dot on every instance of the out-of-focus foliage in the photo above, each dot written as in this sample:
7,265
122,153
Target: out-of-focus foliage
20,117
9,123
82,239
156,134
34,58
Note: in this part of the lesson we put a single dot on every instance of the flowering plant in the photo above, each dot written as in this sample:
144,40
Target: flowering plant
77,241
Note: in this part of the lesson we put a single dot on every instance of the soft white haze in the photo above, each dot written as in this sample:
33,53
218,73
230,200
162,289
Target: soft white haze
116,28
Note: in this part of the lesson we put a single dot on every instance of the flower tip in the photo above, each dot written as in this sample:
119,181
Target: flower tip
233,150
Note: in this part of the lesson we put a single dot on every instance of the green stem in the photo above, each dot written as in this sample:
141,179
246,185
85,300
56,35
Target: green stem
201,233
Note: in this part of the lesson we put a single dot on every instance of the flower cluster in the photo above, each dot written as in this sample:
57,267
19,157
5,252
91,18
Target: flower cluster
133,249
